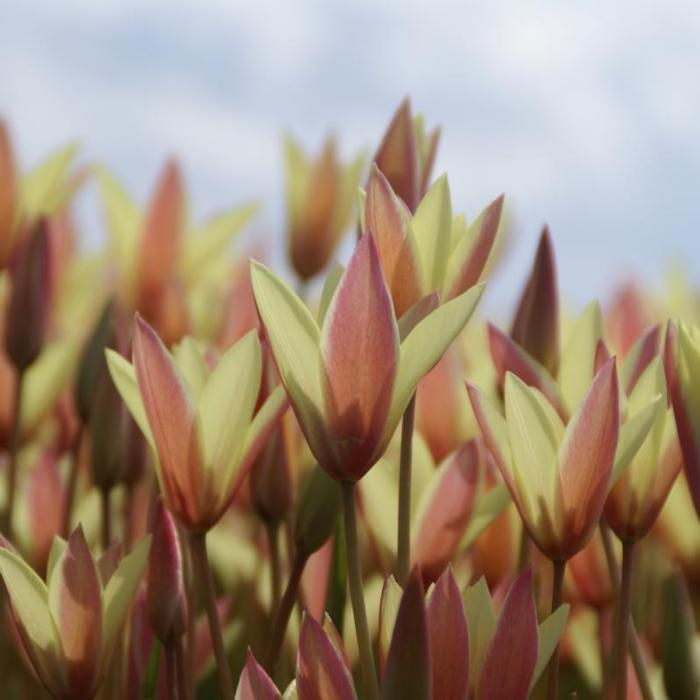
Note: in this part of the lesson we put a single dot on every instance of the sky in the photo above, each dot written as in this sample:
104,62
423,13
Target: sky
585,114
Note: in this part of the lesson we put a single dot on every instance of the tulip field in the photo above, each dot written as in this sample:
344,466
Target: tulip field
342,480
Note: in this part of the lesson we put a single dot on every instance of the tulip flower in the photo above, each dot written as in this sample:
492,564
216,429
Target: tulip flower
406,155
350,381
320,197
683,355
70,625
199,424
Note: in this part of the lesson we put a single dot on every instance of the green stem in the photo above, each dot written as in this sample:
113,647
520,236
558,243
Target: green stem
625,607
272,530
171,672
403,549
180,669
364,642
284,611
635,647
200,559
106,519
558,568
14,450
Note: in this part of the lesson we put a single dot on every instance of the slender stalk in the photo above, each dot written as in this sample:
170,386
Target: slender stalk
191,593
403,549
14,450
128,517
180,669
625,607
200,560
558,568
284,611
72,484
171,672
635,647
364,642
272,530
106,518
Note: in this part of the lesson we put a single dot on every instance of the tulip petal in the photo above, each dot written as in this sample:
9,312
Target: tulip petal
407,674
536,324
321,671
514,646
360,350
124,377
414,315
30,608
577,365
254,683
189,358
444,510
449,640
508,356
294,339
587,452
329,286
481,622
470,253
432,230
75,602
425,345
549,633
121,589
388,225
227,402
388,610
169,408
639,357
396,156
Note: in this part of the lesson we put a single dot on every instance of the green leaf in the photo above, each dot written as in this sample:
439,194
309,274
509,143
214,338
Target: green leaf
549,632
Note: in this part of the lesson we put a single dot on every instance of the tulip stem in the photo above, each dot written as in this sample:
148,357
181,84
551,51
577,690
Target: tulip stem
558,568
272,530
175,669
635,647
364,642
14,450
72,484
403,548
284,612
623,616
106,519
200,559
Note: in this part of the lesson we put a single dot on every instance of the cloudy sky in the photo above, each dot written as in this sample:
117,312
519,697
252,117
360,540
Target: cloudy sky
586,114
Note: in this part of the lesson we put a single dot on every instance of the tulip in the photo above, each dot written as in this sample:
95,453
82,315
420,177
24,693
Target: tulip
406,155
320,197
350,381
9,189
70,625
203,430
683,363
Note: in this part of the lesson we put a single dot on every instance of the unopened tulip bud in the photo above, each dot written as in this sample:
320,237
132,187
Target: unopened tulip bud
165,590
318,512
27,313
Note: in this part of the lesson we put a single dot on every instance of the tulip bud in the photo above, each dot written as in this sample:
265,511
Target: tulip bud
27,313
92,363
165,589
107,425
318,512
9,188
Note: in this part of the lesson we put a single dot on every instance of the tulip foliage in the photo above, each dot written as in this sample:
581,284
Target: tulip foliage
341,481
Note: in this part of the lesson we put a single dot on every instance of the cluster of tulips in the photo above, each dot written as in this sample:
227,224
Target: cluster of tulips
213,484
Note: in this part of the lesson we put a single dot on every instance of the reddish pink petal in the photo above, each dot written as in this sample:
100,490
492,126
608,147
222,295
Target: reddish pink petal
408,673
443,521
162,233
512,654
587,453
360,347
449,640
385,222
536,323
8,194
45,501
508,356
109,561
254,683
646,349
602,355
171,417
473,266
76,606
413,316
321,670
165,588
397,156
627,318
